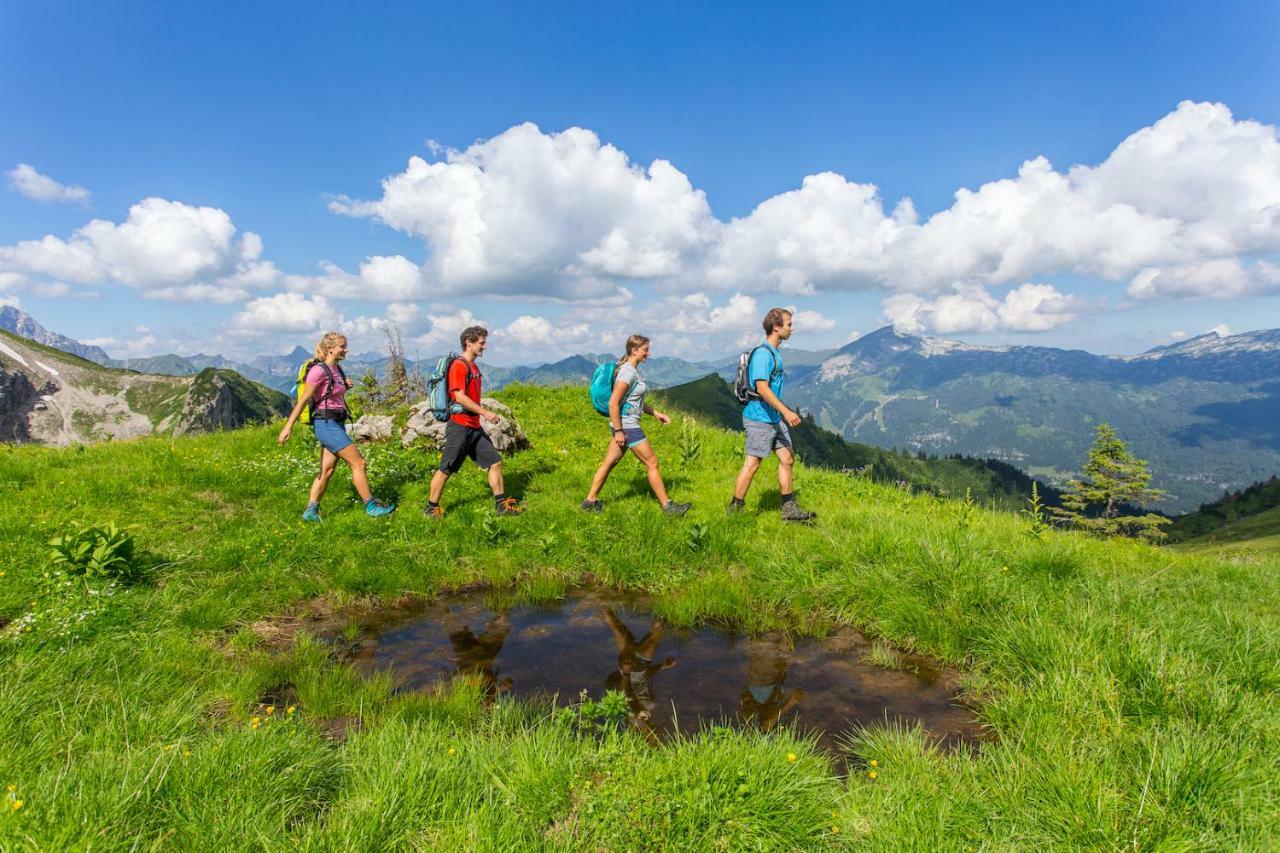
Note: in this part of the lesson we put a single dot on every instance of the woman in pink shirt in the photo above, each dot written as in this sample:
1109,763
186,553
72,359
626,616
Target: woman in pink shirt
325,390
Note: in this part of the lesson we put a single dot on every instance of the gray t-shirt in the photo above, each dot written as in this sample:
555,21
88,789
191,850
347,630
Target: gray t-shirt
633,403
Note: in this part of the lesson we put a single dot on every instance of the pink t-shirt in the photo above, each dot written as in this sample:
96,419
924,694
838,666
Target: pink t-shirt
328,398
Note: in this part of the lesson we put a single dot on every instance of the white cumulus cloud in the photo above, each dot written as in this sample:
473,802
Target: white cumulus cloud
1027,308
164,249
25,179
545,214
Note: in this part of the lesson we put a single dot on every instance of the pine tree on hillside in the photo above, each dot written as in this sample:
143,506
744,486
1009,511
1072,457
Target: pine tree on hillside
368,392
1111,478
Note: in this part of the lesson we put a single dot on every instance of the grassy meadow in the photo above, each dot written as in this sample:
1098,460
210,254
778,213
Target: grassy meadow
1131,691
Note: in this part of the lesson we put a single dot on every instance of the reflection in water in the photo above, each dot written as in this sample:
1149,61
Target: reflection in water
477,655
583,643
765,701
636,669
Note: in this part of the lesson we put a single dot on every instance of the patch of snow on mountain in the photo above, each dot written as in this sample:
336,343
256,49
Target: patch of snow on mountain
7,350
46,368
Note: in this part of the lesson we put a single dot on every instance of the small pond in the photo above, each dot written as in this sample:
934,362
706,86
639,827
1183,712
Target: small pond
673,677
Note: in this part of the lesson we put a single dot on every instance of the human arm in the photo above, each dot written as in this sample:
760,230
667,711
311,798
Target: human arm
615,412
661,418
461,398
771,399
308,391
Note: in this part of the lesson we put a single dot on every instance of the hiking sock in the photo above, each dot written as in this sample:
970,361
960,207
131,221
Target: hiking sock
789,497
432,505
498,499
313,505
738,502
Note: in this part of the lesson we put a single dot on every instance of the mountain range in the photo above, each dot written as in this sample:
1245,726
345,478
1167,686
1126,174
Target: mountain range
50,396
1204,412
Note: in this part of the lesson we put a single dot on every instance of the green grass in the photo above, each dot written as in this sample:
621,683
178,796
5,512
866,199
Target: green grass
1131,691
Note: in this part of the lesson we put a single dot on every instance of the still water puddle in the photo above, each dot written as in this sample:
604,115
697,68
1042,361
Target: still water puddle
674,678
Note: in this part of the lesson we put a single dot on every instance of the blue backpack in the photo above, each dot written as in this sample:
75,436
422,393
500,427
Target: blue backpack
601,387
438,389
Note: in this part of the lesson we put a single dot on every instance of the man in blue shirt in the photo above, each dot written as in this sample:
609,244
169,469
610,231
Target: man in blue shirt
766,418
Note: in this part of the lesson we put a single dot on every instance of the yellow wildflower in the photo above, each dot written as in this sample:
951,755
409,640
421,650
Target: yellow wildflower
291,709
835,828
452,751
11,788
271,709
875,763
873,774
791,756
17,804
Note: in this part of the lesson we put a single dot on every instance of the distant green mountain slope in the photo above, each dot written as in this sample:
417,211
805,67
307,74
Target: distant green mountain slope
1255,511
711,399
1203,412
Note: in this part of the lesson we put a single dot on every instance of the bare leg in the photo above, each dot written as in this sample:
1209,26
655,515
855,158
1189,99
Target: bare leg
328,464
437,486
611,458
351,455
786,462
644,452
495,478
749,467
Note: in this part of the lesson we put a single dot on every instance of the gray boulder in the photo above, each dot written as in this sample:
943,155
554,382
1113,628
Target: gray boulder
424,430
372,428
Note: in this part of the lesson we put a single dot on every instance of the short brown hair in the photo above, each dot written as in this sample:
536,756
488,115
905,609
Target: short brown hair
634,343
774,319
471,334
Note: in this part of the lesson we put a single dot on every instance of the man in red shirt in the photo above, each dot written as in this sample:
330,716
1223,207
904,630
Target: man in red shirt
463,436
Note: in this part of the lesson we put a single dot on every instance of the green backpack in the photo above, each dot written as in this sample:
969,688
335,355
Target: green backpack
306,416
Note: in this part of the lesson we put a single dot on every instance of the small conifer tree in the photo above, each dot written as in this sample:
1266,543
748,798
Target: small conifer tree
397,386
368,392
1111,478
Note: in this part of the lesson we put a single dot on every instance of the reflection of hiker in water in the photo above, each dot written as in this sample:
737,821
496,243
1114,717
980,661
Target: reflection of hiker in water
634,675
764,700
477,654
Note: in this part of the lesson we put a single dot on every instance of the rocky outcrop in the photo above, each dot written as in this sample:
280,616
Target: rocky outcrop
372,428
222,399
424,430
51,397
18,399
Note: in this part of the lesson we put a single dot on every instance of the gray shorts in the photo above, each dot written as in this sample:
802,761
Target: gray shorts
764,438
463,442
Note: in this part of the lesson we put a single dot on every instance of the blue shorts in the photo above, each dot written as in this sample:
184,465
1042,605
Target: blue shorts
332,435
634,436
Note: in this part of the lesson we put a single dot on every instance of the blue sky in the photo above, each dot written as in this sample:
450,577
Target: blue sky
269,115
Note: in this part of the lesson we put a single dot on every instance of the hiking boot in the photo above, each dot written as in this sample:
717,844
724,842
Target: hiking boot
375,508
311,513
433,511
591,506
673,508
734,508
791,511
509,506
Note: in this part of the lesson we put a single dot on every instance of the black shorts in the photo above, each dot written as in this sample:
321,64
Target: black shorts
462,442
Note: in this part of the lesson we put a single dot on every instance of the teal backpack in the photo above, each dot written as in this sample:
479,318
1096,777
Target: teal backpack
601,387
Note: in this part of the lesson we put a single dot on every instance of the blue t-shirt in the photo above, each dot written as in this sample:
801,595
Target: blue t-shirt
765,362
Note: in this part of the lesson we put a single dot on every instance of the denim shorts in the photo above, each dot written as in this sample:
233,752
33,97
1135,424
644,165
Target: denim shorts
332,435
634,436
764,438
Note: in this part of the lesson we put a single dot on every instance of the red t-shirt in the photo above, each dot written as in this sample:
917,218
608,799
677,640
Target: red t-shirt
468,382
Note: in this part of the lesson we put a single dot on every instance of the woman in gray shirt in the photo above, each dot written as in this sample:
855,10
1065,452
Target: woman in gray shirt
625,407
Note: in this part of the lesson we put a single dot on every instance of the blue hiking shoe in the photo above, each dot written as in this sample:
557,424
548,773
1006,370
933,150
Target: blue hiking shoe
375,508
311,513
